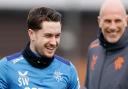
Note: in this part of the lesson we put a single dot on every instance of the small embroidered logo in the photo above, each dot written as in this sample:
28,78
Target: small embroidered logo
93,62
23,78
58,76
119,63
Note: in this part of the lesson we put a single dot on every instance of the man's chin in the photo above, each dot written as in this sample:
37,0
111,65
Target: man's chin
112,40
50,55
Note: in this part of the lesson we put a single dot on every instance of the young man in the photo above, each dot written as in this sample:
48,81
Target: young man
37,66
107,66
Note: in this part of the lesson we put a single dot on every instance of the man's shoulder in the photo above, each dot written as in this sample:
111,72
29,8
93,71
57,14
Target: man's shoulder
13,59
94,44
13,56
62,60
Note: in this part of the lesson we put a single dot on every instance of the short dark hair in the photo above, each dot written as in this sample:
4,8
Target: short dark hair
37,15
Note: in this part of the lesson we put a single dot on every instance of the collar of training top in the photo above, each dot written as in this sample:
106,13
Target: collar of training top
34,60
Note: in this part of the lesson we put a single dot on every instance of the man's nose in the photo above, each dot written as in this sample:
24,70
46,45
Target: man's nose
113,25
53,41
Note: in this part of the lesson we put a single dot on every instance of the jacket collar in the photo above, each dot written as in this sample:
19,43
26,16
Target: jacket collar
35,60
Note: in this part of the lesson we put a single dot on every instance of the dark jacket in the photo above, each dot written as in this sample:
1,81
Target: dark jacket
107,66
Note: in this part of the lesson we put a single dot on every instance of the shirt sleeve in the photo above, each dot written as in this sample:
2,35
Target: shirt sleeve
3,74
74,80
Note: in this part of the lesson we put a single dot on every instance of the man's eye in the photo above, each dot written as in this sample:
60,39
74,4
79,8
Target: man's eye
118,21
57,36
107,21
48,35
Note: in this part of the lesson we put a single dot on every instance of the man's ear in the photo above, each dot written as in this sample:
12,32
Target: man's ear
31,34
127,20
99,21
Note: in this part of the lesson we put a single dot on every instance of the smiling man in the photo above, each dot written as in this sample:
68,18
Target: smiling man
112,20
37,66
107,66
